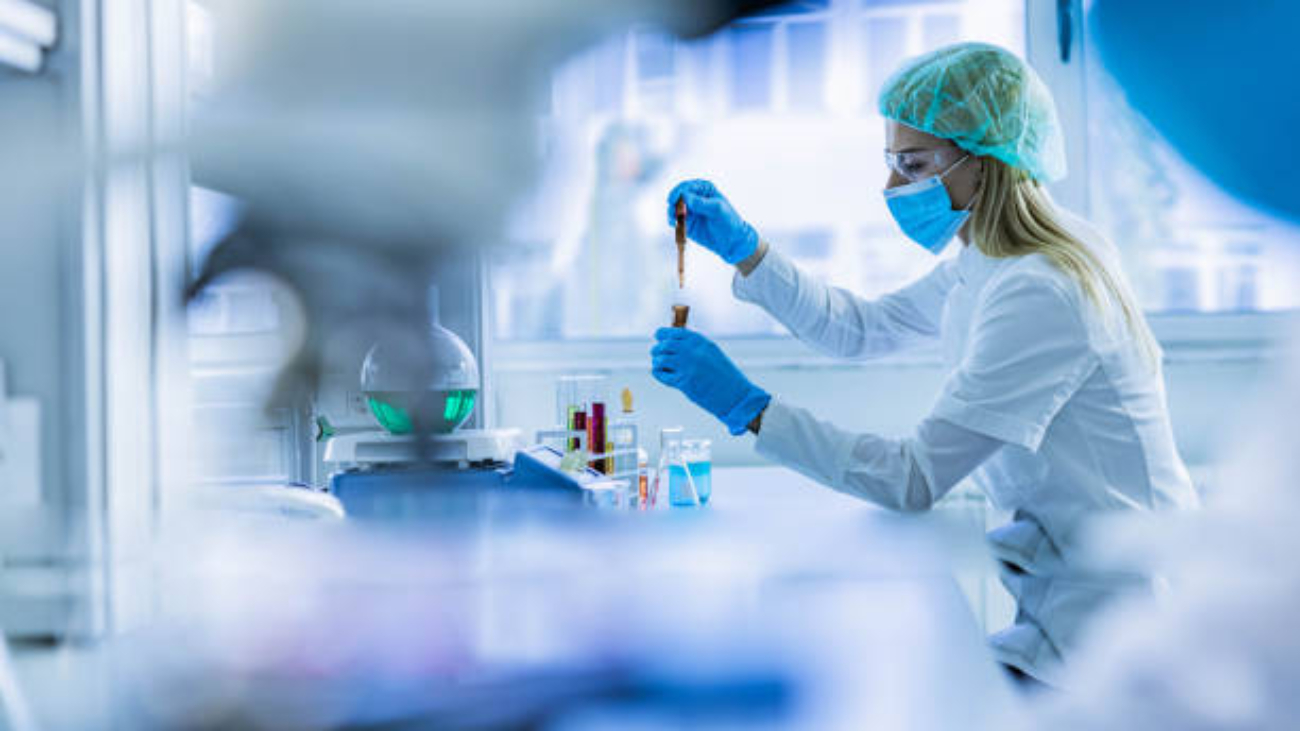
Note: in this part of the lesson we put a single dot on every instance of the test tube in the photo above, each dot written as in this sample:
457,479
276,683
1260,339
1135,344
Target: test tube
574,396
578,422
596,436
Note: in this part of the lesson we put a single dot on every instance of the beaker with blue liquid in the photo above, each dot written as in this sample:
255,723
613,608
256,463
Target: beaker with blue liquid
690,471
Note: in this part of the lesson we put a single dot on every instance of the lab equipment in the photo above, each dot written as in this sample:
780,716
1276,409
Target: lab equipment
577,398
378,450
624,439
924,211
597,425
447,409
421,391
680,315
542,466
696,366
666,436
680,236
428,383
383,478
681,306
985,99
606,494
608,480
712,222
690,472
643,478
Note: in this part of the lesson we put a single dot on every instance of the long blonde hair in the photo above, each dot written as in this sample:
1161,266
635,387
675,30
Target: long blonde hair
1014,216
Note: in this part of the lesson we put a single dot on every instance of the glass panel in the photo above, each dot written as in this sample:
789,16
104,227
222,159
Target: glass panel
806,49
884,46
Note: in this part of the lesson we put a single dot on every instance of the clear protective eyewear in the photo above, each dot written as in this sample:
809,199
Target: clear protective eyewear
917,165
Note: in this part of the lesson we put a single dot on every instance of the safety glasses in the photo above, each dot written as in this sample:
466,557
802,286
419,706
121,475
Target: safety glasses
921,164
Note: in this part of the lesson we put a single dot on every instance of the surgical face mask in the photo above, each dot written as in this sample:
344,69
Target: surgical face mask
923,210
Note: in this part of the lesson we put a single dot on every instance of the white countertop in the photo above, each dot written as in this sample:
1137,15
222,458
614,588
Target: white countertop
856,606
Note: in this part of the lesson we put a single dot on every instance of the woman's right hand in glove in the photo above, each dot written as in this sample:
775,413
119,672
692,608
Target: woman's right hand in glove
712,222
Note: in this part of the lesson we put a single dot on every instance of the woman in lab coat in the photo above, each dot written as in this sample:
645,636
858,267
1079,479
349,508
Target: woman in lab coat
1054,402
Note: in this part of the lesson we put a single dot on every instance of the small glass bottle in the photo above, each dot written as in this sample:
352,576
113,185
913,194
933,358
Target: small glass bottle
624,439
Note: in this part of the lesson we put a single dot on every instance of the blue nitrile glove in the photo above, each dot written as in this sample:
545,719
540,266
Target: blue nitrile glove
696,366
712,222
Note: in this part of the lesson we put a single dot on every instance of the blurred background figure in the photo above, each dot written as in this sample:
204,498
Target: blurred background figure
616,252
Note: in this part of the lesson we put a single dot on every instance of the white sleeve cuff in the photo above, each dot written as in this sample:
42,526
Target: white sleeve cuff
773,269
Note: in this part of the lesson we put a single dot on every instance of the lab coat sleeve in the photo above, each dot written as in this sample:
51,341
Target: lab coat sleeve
1029,353
901,474
840,323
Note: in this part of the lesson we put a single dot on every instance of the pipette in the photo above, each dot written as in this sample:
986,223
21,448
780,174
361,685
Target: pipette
680,233
681,310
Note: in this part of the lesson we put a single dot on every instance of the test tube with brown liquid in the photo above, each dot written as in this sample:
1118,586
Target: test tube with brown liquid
681,310
681,242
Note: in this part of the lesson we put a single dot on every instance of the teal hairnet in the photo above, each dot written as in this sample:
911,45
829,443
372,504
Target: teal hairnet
985,99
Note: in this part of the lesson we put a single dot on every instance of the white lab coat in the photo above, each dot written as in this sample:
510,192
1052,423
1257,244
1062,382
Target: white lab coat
1048,406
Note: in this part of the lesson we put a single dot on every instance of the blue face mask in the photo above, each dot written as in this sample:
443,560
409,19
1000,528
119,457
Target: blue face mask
924,211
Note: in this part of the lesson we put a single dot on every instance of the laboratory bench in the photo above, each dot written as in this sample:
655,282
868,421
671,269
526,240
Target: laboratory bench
779,604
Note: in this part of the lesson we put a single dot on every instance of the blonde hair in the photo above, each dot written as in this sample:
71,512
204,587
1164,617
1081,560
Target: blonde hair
1014,216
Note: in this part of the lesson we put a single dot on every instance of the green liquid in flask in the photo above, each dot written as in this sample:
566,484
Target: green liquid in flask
445,410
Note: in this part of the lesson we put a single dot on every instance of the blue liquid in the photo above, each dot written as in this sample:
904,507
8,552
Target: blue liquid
679,490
